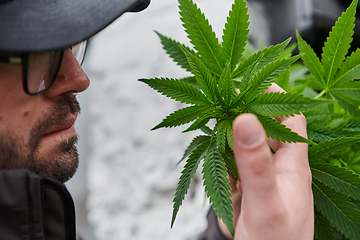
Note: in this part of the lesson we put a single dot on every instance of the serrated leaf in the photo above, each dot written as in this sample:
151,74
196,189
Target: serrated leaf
235,33
323,228
337,209
196,142
248,74
298,71
351,126
301,88
229,160
203,119
320,132
174,49
312,83
267,55
230,136
339,236
283,80
350,89
278,131
338,43
178,90
201,35
352,158
224,140
239,99
207,130
288,52
249,50
182,116
202,74
349,104
191,80
331,107
317,115
187,174
276,104
215,97
349,70
311,60
222,134
339,179
319,135
217,186
263,79
244,66
324,149
226,85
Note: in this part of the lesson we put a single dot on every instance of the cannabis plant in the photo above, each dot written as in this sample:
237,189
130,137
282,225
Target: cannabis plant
226,80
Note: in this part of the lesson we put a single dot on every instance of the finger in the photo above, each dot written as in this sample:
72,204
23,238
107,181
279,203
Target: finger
274,88
294,156
254,161
296,123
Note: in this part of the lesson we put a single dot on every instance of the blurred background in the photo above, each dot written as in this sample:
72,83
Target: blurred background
128,174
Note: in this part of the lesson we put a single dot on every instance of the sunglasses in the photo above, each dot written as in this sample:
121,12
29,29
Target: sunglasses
40,69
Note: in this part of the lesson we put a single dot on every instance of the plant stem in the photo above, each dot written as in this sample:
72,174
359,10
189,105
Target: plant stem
342,162
320,94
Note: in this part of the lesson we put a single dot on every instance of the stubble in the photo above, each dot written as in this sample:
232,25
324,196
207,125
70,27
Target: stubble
16,153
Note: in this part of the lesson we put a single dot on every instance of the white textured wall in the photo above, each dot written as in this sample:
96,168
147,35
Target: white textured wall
131,171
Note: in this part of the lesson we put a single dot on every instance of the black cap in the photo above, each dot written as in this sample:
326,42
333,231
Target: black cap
40,25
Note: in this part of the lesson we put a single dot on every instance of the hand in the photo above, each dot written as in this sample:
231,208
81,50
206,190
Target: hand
274,194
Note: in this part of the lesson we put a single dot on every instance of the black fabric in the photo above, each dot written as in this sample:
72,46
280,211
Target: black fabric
34,208
39,25
212,231
37,208
141,5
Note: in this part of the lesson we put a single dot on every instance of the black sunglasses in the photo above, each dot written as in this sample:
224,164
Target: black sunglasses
40,69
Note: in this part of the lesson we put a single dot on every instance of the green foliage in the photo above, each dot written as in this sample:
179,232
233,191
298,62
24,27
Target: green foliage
338,209
231,78
198,148
217,185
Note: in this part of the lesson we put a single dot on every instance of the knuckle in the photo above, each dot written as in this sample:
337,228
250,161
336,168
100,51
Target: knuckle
260,164
275,217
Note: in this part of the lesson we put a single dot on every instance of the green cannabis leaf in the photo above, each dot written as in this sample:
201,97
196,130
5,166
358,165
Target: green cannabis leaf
230,78
335,73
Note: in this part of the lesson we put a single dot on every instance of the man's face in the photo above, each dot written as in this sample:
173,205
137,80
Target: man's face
36,132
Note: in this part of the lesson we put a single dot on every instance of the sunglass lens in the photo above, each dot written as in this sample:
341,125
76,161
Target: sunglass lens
42,70
79,51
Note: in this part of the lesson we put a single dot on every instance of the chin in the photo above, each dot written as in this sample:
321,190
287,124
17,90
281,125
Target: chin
61,168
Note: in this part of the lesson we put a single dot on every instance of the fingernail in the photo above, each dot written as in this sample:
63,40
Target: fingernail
248,131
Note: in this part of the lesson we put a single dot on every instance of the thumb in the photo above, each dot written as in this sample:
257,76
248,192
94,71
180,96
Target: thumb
255,162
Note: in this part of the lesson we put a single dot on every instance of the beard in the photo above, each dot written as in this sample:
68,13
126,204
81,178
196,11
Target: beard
15,153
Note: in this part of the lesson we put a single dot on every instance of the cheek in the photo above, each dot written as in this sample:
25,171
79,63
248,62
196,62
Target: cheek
19,112
10,78
17,118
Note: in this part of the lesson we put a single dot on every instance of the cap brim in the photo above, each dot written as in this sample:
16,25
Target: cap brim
28,26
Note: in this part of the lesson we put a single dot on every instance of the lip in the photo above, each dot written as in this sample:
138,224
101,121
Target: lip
66,127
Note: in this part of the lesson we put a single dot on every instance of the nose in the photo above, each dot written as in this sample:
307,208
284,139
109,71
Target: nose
70,79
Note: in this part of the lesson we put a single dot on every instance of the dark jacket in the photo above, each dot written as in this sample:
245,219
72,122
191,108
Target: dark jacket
34,208
212,231
37,208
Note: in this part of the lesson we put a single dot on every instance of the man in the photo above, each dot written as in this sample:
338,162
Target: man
39,75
